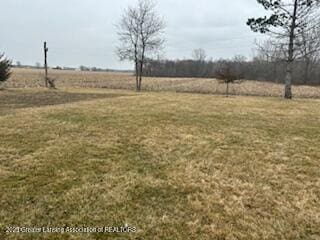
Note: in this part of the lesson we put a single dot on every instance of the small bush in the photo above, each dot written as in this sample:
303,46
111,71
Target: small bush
229,72
5,66
52,83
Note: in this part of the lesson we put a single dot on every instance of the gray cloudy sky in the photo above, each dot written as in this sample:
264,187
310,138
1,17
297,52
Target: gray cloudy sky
83,32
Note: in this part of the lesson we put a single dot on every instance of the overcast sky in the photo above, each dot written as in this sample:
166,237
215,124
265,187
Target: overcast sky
83,32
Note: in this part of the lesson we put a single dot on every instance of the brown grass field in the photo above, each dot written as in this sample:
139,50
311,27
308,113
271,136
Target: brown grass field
69,79
173,165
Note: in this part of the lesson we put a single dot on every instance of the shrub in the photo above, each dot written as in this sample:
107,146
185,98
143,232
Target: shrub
5,66
229,72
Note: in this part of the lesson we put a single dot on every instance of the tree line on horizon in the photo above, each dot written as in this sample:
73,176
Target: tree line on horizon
259,68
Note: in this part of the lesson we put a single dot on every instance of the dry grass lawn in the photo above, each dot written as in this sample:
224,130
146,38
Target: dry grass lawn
34,78
176,166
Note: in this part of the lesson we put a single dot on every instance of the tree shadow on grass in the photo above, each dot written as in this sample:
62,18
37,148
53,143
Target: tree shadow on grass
18,99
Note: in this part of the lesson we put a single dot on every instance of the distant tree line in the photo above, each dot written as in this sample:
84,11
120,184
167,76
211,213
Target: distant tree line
261,68
92,69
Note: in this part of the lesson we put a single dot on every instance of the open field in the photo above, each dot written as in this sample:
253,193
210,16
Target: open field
176,166
34,78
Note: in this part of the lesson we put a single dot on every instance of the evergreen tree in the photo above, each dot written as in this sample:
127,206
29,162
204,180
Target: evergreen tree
289,19
5,66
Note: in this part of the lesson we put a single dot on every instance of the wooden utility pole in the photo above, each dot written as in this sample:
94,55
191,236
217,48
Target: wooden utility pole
45,63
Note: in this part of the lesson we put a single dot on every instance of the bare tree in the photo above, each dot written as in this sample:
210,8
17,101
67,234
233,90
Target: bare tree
309,47
288,20
270,51
199,55
140,34
273,57
129,38
199,58
230,72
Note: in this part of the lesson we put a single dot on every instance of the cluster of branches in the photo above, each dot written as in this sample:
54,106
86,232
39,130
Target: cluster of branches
140,32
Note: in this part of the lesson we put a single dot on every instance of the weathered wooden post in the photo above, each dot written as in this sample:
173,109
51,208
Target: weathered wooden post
45,63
